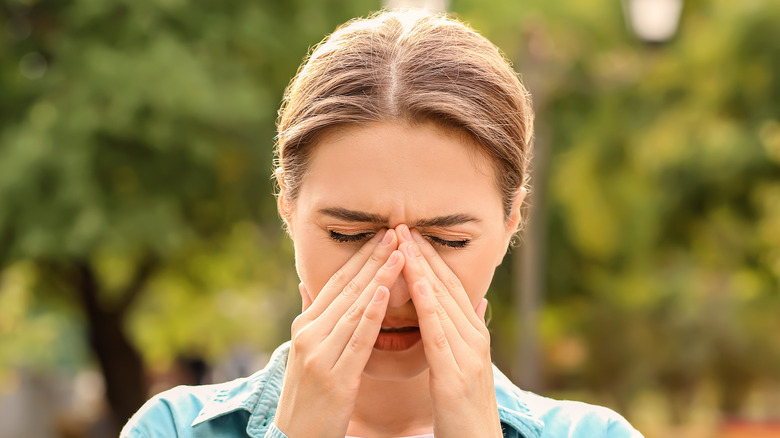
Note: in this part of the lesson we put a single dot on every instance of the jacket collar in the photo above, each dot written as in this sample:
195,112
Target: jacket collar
259,394
514,407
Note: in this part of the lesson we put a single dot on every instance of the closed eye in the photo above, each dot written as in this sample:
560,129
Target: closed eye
350,238
360,237
457,244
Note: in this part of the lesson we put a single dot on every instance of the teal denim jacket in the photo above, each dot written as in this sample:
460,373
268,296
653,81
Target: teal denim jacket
246,407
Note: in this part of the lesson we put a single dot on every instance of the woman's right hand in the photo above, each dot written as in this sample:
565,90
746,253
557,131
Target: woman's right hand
332,340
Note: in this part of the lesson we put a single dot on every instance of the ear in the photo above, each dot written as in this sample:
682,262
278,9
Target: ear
281,200
513,222
515,216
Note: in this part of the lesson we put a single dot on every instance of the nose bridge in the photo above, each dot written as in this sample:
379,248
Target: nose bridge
398,212
399,292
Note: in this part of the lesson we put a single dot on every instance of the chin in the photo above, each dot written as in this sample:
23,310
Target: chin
396,365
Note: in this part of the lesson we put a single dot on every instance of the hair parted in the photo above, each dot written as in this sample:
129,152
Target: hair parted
415,67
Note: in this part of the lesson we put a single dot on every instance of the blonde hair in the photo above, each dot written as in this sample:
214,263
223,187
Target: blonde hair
410,66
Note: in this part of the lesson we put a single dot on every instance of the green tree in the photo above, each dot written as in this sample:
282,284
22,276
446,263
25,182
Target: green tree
136,145
662,197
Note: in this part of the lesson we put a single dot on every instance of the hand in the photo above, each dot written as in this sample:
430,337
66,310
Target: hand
332,340
456,343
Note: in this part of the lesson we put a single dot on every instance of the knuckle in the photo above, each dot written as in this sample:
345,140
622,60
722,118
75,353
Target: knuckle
376,258
440,312
354,313
440,289
373,314
299,341
337,276
352,289
440,341
355,343
452,282
298,323
429,311
311,365
295,328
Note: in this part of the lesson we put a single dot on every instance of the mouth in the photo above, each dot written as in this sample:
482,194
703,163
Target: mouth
397,338
399,329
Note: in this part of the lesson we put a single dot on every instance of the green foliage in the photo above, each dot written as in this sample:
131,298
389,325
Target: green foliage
143,130
139,130
663,194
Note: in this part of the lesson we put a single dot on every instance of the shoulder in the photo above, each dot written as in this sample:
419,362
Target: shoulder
172,412
224,409
535,415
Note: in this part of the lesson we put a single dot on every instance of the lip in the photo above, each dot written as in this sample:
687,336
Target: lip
396,322
398,338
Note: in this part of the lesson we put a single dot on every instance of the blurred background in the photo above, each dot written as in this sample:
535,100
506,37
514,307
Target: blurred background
140,246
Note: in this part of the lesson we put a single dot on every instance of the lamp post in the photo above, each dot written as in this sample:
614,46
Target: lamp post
653,21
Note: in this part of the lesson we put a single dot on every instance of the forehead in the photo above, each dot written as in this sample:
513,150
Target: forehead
400,171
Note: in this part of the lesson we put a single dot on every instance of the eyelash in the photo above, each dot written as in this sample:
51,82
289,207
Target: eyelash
353,238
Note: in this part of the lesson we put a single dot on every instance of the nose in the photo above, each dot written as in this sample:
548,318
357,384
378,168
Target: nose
399,293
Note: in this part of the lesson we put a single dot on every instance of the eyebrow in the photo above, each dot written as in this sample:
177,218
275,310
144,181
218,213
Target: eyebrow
361,216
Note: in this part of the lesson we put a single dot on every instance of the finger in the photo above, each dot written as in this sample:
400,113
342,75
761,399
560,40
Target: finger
341,339
373,253
436,343
452,322
481,309
358,349
449,280
417,269
305,297
358,285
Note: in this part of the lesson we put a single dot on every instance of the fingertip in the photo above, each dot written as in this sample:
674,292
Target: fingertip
306,299
381,294
396,260
410,250
417,237
482,308
392,233
403,232
379,236
422,288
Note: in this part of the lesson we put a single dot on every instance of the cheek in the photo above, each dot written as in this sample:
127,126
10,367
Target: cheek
317,261
475,272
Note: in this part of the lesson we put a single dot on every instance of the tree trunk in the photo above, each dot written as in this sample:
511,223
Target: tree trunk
121,363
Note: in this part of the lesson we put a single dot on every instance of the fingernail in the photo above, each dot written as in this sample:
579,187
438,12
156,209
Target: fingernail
405,232
410,251
423,288
380,294
378,236
418,237
482,309
392,260
387,239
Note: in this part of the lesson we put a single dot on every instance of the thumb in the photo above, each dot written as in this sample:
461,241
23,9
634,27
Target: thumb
482,308
305,297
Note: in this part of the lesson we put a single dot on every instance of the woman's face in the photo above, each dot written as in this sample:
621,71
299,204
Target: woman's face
362,179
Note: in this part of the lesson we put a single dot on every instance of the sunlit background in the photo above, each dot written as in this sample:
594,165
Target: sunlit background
140,246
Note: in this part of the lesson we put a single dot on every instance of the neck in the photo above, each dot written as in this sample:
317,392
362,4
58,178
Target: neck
386,408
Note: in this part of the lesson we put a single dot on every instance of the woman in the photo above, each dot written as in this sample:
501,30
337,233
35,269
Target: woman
403,148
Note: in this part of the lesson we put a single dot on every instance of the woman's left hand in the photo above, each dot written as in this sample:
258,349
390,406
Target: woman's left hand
456,343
